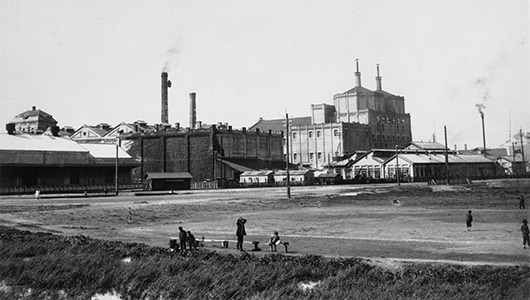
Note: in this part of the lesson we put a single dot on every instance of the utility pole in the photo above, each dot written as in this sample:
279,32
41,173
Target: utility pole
287,155
397,166
446,157
522,147
116,169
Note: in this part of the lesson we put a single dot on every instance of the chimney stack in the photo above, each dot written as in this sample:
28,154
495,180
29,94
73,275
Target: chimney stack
357,74
193,112
10,127
33,108
378,80
165,85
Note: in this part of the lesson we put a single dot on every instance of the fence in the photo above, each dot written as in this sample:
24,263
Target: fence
69,188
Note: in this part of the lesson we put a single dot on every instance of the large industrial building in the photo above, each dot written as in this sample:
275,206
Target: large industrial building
359,119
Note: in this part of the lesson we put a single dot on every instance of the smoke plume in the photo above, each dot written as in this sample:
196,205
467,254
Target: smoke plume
170,59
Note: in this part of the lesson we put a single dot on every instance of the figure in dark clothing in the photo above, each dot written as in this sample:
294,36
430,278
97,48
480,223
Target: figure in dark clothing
240,232
182,239
526,237
192,243
274,241
469,219
521,203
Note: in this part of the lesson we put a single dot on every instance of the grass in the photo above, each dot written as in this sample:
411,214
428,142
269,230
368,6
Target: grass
46,266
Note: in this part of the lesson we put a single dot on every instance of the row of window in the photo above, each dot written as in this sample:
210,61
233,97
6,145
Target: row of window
311,156
381,127
318,133
389,137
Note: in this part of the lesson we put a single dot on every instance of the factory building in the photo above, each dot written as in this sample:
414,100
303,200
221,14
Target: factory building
208,154
359,119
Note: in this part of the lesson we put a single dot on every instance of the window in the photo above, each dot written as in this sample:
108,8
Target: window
310,134
294,135
336,132
295,156
319,155
318,133
311,156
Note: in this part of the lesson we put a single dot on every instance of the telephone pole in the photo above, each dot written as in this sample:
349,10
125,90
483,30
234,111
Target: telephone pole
287,135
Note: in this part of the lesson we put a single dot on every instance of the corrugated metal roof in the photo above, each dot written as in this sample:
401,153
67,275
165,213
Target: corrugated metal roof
31,142
169,175
440,158
425,146
257,173
292,172
105,151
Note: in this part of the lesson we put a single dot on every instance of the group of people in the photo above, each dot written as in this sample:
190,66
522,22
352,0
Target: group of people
241,232
187,240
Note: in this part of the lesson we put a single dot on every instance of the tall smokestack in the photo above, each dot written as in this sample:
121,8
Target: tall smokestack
378,80
193,112
165,85
480,107
357,74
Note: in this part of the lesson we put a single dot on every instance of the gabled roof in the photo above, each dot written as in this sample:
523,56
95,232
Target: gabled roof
278,125
100,132
425,146
359,90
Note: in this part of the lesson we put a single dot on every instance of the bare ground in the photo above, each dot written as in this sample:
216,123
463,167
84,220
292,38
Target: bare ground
428,224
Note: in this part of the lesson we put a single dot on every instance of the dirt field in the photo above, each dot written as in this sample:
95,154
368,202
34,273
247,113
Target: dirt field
356,220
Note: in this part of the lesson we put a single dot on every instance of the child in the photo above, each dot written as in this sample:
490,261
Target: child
192,243
469,219
275,240
524,230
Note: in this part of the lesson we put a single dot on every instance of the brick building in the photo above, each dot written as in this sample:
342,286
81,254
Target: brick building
208,154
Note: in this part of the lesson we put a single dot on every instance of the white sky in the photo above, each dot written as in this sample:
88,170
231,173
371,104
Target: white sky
87,62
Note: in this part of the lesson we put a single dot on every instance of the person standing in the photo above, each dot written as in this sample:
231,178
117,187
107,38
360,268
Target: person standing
521,203
130,216
183,237
192,243
240,232
526,235
469,220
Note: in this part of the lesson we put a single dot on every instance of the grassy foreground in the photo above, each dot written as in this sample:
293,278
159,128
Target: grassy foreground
46,266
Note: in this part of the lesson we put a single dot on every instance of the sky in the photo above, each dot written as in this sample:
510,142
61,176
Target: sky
98,61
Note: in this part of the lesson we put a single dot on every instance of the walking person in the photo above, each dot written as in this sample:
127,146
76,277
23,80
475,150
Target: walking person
521,203
469,219
183,237
130,216
526,237
240,232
